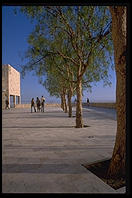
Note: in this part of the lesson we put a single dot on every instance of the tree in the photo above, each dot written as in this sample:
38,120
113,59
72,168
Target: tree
62,77
56,87
65,72
49,63
117,164
87,38
86,29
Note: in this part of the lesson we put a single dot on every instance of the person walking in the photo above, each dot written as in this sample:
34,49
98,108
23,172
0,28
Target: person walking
7,104
42,103
88,101
33,105
38,104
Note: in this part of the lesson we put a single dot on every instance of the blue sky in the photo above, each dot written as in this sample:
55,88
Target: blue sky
15,31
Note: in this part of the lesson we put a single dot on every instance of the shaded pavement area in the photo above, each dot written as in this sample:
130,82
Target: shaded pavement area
44,152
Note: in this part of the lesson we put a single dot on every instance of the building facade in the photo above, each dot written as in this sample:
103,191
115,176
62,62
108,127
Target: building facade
10,86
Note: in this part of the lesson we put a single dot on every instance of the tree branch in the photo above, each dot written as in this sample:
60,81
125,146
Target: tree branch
67,57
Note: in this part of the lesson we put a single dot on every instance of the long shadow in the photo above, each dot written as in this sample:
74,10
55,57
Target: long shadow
99,114
57,148
93,117
37,127
43,168
14,112
29,112
39,116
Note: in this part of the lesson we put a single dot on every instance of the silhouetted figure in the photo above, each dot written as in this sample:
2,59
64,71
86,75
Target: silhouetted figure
7,104
42,103
33,105
75,101
88,101
38,104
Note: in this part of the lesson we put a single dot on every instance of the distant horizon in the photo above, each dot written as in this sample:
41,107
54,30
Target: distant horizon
58,101
26,99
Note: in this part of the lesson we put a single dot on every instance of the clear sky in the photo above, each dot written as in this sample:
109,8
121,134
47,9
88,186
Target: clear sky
15,31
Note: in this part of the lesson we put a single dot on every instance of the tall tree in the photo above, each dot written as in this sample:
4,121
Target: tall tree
87,30
44,62
119,31
60,70
88,39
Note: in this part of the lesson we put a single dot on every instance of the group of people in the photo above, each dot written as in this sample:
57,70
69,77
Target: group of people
39,104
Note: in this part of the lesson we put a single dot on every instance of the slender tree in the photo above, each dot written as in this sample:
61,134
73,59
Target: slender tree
119,32
56,87
86,29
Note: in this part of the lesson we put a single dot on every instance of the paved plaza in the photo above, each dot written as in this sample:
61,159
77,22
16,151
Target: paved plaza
44,152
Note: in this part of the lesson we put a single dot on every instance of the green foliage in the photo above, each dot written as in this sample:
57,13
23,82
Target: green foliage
65,36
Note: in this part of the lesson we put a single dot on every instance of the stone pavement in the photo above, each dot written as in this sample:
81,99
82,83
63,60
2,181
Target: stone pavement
44,152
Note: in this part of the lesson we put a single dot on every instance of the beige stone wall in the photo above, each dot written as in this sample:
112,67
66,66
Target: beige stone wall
5,78
5,87
10,83
14,82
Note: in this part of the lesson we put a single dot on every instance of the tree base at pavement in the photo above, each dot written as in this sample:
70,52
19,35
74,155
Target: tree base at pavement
100,170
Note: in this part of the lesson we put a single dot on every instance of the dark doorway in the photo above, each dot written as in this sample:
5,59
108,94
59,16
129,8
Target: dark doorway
11,102
17,99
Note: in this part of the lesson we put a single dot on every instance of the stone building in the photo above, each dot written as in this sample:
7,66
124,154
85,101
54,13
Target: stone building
10,85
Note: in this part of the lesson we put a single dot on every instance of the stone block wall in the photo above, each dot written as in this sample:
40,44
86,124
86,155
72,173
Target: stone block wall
5,77
10,84
14,82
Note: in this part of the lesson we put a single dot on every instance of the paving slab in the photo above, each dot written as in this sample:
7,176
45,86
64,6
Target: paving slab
44,152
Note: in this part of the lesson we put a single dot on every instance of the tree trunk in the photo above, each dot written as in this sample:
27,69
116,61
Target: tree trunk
69,96
64,99
79,121
65,105
62,102
117,164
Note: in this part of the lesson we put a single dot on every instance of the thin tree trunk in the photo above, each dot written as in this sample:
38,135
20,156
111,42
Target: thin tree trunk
62,102
65,105
79,121
69,97
64,99
117,164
